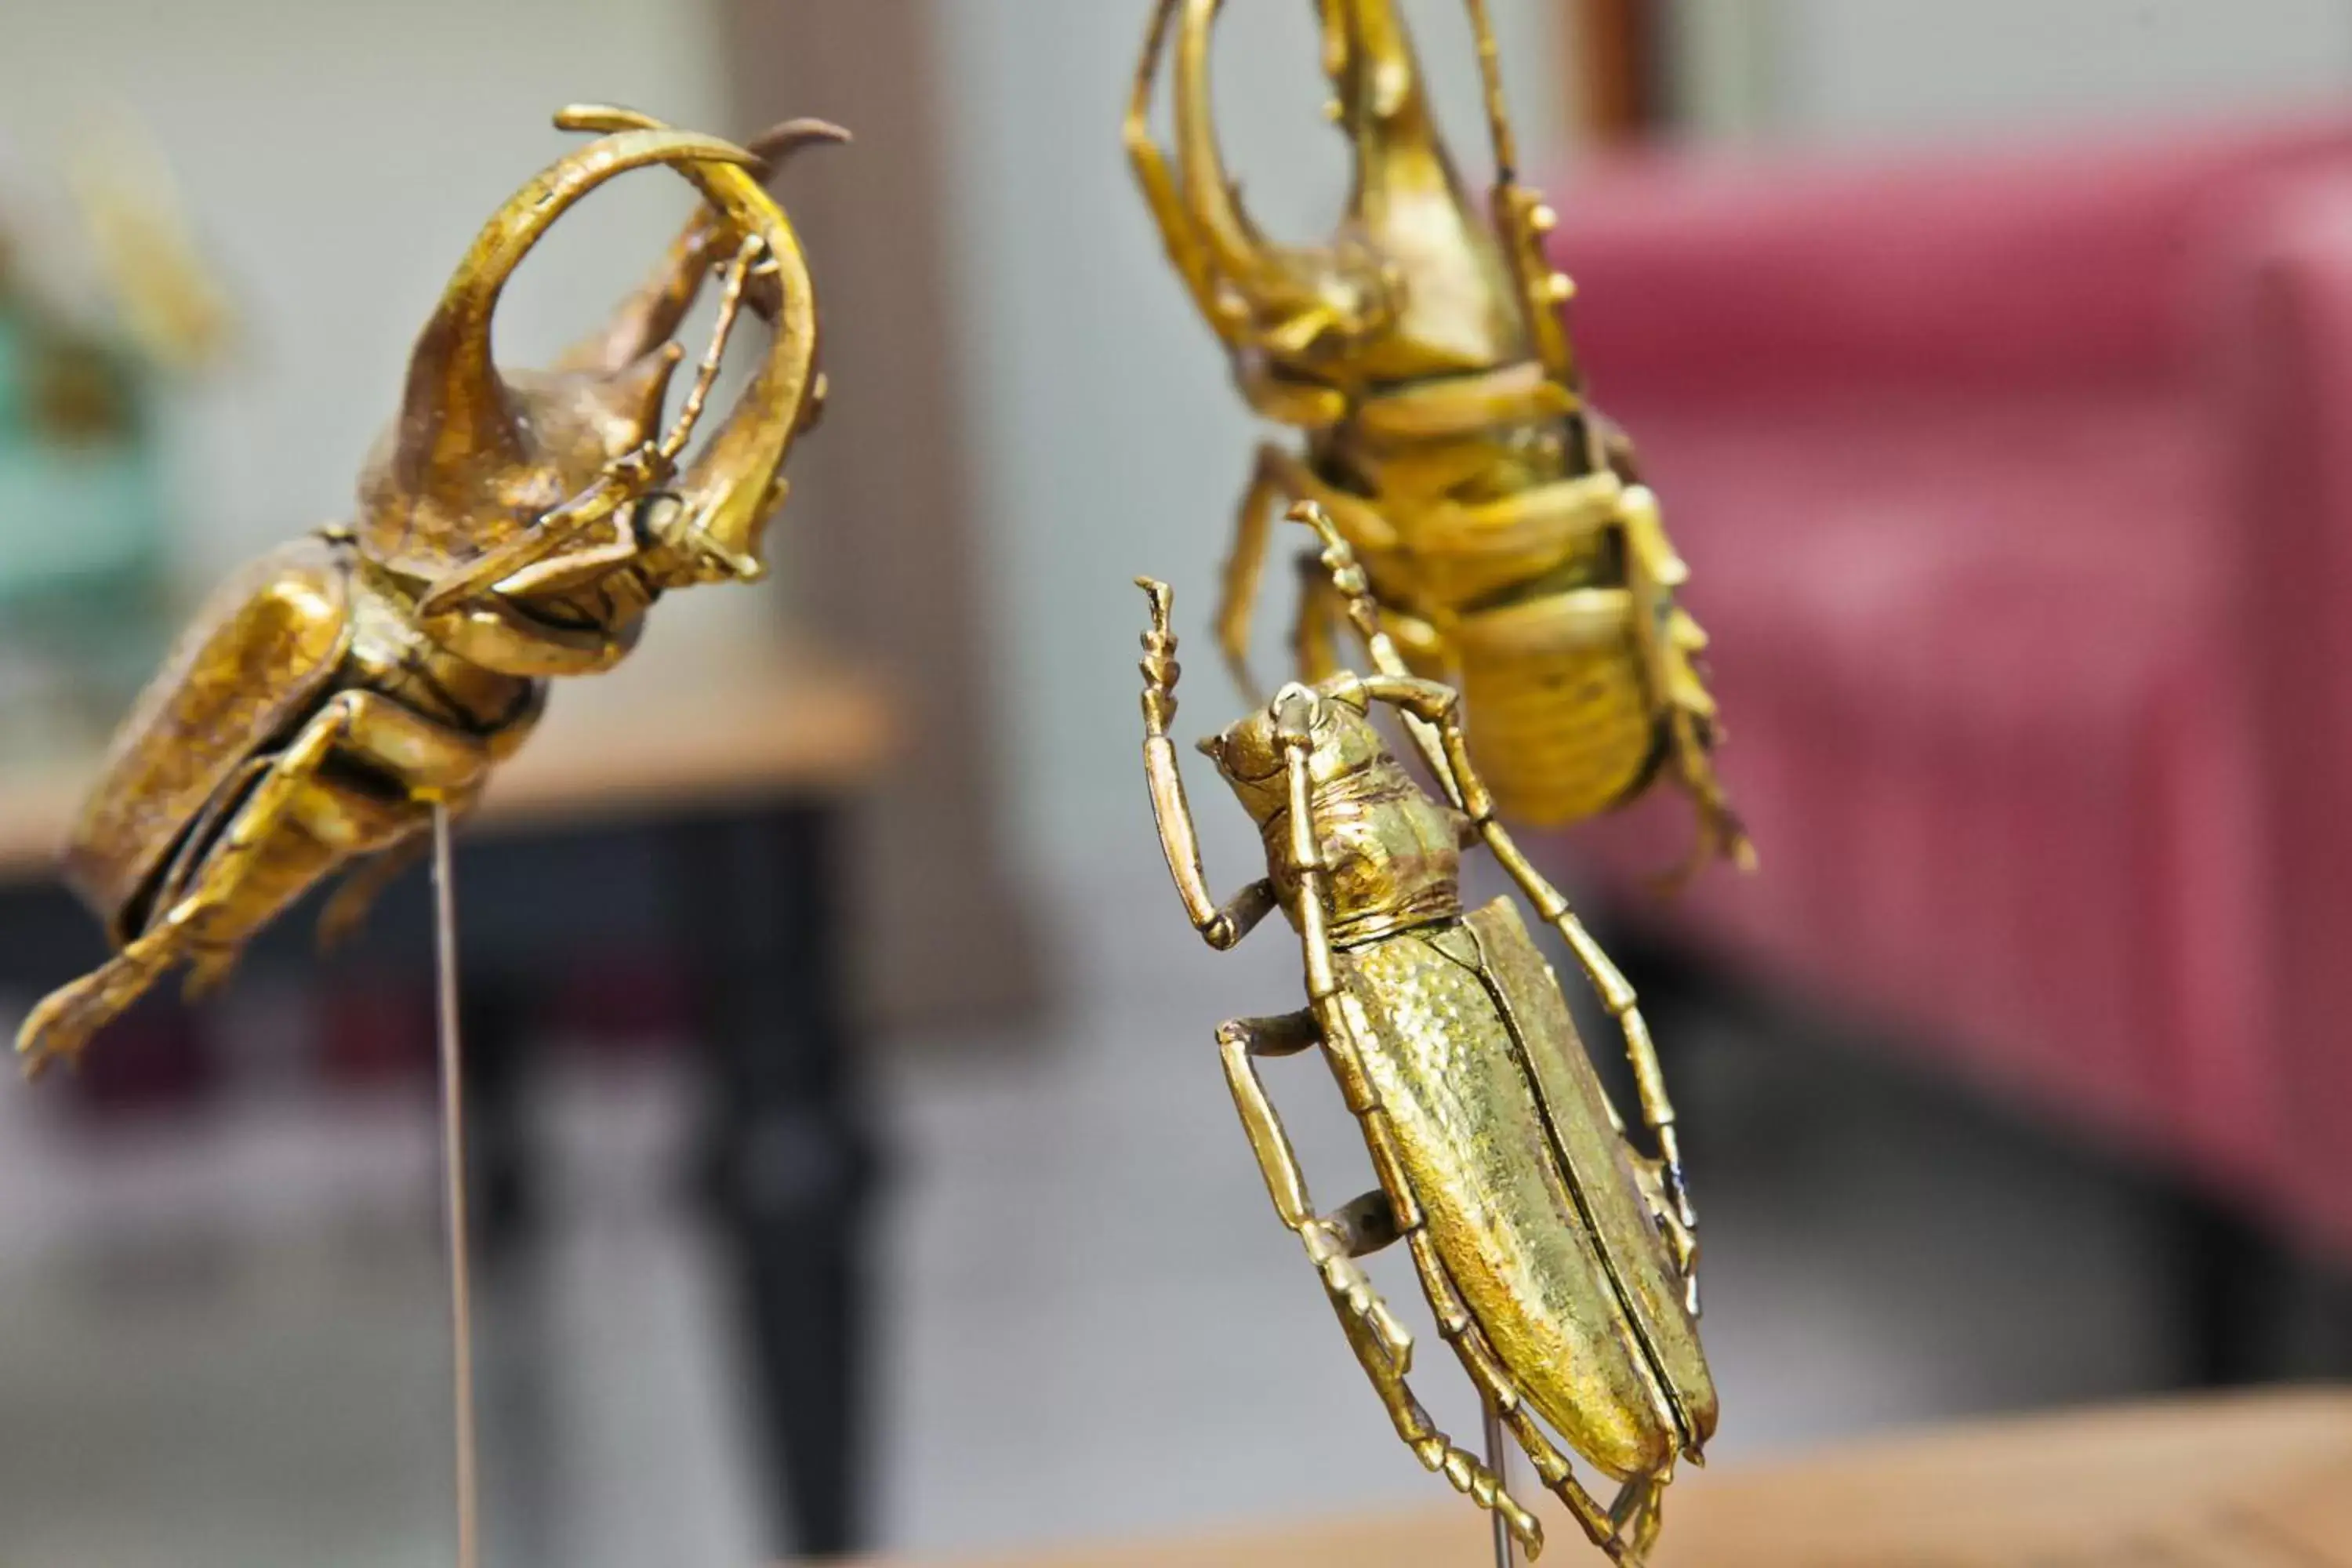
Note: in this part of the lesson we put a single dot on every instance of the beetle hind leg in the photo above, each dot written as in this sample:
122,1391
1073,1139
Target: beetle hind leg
1501,1393
1637,1515
66,1019
1351,1293
1382,1345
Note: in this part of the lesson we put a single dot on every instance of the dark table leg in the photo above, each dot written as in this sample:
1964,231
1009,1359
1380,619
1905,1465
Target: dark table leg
2227,1279
791,1164
495,1023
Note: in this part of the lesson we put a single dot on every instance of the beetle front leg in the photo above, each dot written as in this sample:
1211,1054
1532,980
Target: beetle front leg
1220,925
1276,476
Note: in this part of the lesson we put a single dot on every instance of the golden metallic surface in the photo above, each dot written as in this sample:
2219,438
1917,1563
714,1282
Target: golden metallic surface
511,526
256,655
1421,356
1558,1257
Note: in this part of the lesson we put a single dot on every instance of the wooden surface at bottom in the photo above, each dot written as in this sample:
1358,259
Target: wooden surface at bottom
2245,1482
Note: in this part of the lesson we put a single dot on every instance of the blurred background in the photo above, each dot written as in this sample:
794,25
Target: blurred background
856,1168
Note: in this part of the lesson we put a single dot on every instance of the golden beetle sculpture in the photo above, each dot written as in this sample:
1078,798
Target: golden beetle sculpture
1421,356
1560,1260
510,527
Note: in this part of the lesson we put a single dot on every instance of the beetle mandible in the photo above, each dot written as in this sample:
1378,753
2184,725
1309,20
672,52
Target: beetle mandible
1560,1260
1422,354
510,528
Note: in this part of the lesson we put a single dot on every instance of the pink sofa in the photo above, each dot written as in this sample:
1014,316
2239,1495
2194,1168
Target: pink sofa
2018,490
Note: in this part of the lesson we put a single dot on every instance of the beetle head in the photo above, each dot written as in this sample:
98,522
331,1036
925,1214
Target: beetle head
478,456
1249,753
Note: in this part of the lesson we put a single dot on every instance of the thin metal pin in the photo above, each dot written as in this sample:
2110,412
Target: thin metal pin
453,1168
1498,1461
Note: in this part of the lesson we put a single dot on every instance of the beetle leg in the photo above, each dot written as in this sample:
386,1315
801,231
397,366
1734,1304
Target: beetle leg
1245,564
1277,475
1360,1310
347,907
1671,641
1332,1243
1383,1346
1221,926
1239,1042
1314,644
62,1024
256,867
1497,1386
1637,1516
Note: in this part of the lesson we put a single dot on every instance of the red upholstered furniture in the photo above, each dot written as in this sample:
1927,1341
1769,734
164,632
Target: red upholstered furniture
2018,487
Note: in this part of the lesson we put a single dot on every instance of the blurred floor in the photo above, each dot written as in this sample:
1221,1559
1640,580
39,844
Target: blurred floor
1095,1326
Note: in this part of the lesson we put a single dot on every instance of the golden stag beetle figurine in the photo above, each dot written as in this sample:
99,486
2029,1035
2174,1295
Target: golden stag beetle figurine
1559,1260
1423,356
510,527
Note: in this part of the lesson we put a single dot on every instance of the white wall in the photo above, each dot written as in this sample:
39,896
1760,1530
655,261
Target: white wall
339,158
1906,71
1111,441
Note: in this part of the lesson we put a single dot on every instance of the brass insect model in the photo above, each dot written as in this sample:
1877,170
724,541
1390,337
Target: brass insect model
1421,356
510,527
1559,1258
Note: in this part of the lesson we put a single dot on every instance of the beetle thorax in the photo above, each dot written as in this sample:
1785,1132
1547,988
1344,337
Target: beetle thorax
1392,856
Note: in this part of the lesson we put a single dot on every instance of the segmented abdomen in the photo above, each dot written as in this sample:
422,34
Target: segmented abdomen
1561,724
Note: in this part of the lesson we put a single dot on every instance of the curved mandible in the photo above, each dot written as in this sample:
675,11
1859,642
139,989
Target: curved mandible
735,481
462,470
1293,300
1217,302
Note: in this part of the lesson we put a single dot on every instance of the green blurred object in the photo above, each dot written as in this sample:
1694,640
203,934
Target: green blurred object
84,542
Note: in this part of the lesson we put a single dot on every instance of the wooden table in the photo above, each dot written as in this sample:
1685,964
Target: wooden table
2249,1481
803,723
701,820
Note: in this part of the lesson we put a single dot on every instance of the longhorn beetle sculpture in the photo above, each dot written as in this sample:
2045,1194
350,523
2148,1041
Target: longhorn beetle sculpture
1421,356
510,527
1559,1258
